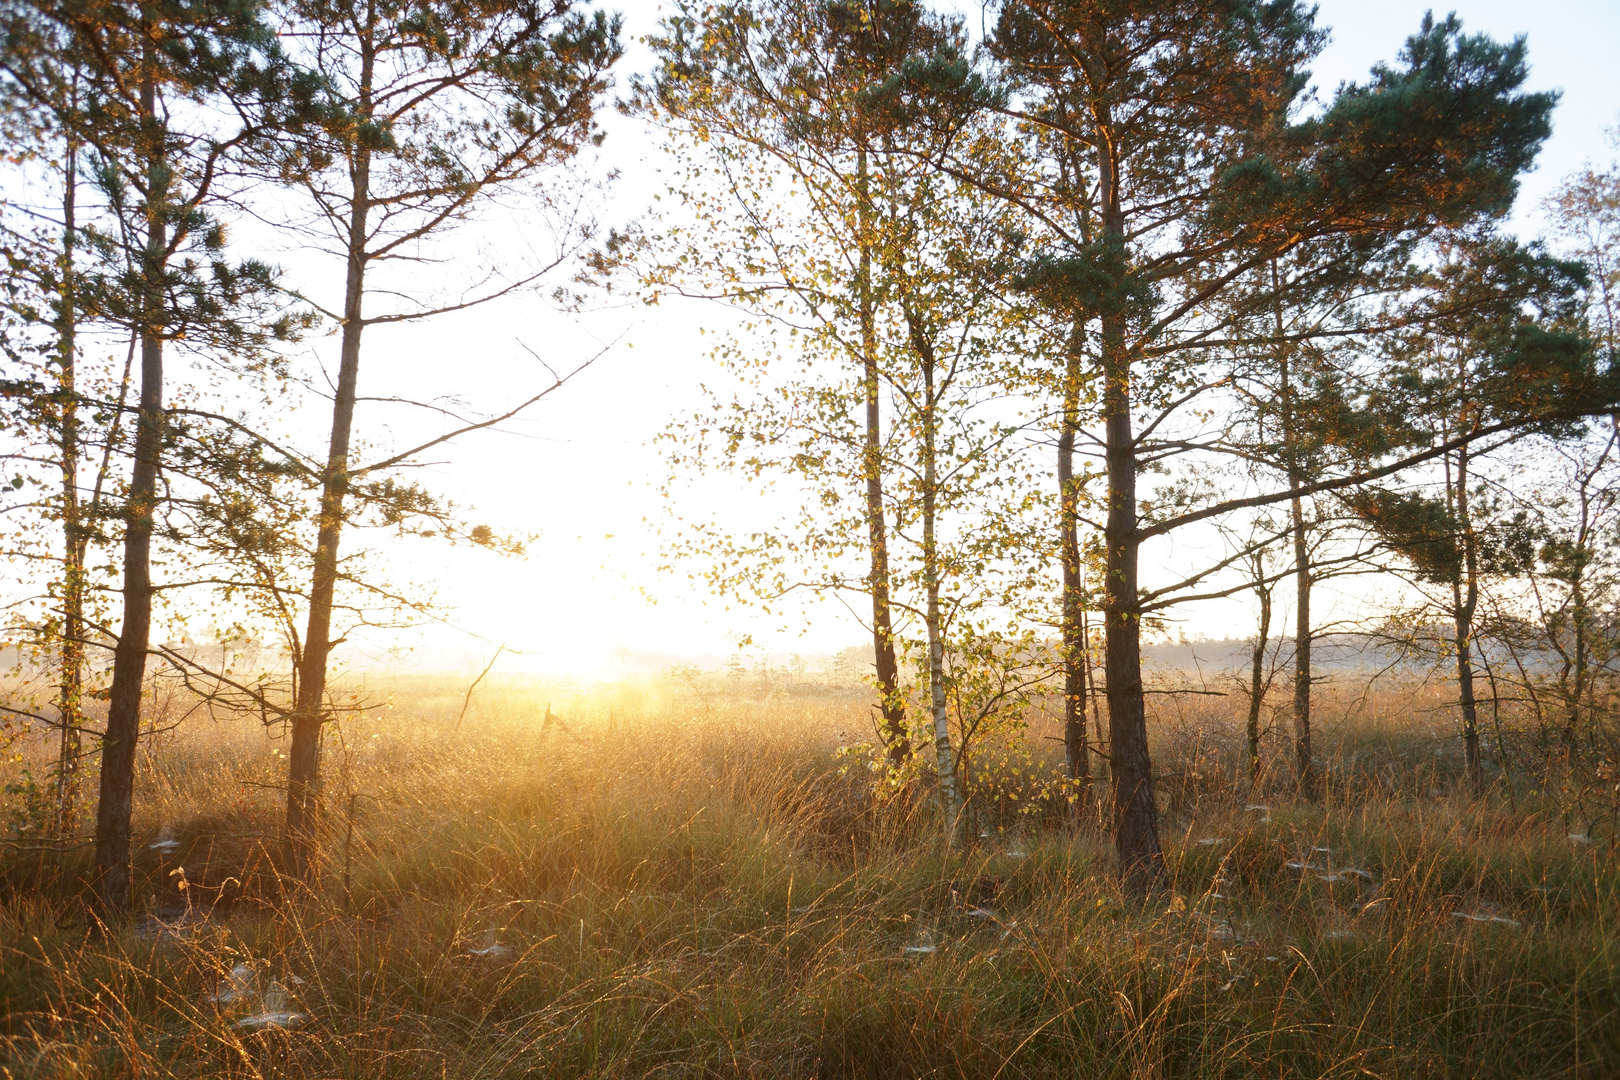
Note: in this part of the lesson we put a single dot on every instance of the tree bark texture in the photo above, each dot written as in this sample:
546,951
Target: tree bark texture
897,740
1257,686
1579,615
1136,813
115,803
70,683
1304,762
309,714
1465,602
950,789
1076,750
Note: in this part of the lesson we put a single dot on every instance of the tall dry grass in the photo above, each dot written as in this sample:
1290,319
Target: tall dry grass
685,881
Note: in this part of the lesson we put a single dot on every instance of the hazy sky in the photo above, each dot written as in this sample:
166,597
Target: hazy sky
582,473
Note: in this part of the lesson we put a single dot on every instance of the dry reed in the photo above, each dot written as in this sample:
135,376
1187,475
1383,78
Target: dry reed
683,882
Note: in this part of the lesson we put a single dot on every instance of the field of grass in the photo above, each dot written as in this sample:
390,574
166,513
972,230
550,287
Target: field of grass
680,882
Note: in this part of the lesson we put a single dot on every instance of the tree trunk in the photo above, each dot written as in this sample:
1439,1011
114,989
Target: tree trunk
1076,751
1579,664
70,683
950,790
309,715
1578,617
1465,597
1304,764
1102,773
1257,673
129,658
1136,813
892,706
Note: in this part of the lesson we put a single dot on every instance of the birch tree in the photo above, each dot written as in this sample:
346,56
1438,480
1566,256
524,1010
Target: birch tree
807,196
43,248
801,97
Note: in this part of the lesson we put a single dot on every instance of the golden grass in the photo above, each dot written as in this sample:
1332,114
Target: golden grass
683,884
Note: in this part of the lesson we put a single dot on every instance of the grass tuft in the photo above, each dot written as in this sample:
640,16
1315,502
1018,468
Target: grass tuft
677,887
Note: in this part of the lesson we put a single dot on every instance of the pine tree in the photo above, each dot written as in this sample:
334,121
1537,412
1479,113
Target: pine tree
1184,116
151,74
439,106
1500,348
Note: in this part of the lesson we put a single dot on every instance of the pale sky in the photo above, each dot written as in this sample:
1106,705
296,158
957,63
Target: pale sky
582,473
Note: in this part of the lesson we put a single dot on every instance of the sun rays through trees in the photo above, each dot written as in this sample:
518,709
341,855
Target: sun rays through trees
1012,347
